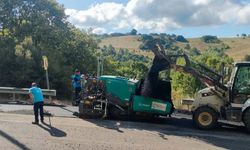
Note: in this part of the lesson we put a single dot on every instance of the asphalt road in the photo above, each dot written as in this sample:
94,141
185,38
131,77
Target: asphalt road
71,132
67,111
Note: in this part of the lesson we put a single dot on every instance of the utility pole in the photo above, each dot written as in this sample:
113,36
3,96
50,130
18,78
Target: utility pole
99,66
102,67
45,66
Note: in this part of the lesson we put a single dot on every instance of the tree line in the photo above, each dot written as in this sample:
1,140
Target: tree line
31,29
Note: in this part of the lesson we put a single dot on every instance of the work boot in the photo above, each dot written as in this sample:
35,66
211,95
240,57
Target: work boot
35,122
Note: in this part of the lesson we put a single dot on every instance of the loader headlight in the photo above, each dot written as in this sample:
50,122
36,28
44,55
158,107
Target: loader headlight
207,94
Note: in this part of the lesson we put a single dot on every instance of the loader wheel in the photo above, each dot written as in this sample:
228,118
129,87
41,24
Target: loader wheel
246,119
205,118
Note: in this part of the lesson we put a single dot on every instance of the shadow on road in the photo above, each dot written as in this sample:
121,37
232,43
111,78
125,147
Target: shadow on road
229,137
52,130
74,113
13,140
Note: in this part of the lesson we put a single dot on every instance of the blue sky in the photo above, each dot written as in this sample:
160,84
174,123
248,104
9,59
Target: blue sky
191,18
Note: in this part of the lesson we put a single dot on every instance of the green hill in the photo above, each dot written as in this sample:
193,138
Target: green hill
237,47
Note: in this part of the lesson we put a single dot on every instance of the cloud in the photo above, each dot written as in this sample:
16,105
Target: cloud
99,30
160,15
98,14
244,15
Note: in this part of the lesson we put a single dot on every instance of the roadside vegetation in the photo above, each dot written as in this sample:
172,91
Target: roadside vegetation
34,28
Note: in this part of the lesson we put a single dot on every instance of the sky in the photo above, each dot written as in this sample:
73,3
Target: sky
190,18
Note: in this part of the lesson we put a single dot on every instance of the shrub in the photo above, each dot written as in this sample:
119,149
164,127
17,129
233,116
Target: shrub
210,39
180,38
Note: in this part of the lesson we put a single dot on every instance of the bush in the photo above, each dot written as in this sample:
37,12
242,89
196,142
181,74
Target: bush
143,46
247,58
145,37
180,38
210,39
154,34
225,46
117,34
187,46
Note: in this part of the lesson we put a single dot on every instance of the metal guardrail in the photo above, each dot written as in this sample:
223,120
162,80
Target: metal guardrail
24,91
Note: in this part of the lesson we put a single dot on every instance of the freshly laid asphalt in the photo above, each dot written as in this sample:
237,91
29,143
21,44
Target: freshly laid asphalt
64,130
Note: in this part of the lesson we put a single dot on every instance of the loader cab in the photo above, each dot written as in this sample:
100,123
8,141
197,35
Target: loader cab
240,83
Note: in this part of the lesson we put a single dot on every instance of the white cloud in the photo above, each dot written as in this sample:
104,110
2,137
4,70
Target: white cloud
95,16
160,15
201,2
99,30
244,15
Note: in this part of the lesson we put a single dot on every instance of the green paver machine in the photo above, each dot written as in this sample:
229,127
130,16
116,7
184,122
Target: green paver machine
119,97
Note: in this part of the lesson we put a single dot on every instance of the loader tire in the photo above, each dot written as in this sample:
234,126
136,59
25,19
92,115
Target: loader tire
205,118
246,119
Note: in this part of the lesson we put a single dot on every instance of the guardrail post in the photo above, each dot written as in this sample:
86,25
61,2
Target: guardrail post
14,96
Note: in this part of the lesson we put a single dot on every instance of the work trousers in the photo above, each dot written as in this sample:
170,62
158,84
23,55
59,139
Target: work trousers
77,93
38,106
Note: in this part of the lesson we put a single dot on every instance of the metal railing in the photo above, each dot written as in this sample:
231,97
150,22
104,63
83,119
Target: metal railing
24,91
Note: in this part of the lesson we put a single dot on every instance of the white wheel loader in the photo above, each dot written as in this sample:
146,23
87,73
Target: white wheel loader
230,102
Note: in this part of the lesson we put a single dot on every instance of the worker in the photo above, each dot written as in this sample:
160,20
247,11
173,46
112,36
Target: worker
36,94
83,81
87,82
76,82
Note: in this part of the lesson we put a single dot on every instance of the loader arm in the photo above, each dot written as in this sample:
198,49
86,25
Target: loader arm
207,76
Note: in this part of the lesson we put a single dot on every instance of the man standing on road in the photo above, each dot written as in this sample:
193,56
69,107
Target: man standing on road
76,81
38,100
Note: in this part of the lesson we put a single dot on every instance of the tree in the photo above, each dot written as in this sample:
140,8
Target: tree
187,46
180,38
133,32
243,35
33,28
186,85
247,58
210,39
146,37
194,52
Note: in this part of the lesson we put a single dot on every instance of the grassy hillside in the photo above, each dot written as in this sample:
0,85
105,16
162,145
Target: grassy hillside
131,43
239,47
